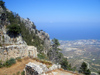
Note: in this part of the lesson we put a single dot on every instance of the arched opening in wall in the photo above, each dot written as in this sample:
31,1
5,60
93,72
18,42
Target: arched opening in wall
29,53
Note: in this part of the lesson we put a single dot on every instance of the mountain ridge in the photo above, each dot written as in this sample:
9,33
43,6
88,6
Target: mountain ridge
16,31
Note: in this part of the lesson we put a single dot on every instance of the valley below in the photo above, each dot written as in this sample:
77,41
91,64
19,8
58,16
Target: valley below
78,51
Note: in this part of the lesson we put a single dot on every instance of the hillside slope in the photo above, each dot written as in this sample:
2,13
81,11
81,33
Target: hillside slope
14,30
19,67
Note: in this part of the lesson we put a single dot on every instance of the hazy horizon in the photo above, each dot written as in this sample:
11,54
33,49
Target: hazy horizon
61,19
68,31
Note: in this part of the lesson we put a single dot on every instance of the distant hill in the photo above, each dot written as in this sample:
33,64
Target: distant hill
18,36
82,50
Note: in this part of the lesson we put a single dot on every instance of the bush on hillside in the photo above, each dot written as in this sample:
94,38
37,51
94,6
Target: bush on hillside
19,59
14,29
9,62
99,72
84,69
64,63
23,73
2,4
1,65
18,73
42,56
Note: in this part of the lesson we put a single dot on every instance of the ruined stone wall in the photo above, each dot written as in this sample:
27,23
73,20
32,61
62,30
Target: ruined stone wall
34,69
14,51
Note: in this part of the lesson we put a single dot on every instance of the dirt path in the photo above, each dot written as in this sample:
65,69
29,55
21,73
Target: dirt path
61,72
18,67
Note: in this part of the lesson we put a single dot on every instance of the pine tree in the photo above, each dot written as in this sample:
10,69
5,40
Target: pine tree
84,69
14,30
99,72
2,4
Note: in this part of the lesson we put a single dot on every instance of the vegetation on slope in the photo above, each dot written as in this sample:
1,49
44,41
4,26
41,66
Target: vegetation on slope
2,4
14,30
7,63
31,39
56,56
17,27
99,72
84,69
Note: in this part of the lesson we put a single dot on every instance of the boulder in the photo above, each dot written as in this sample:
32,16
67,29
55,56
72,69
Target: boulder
54,66
44,67
33,69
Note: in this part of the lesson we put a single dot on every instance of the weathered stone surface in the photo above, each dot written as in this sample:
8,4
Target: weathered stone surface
14,51
54,66
42,35
5,39
1,10
44,67
33,69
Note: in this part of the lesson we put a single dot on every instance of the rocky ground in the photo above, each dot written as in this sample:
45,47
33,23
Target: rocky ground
61,72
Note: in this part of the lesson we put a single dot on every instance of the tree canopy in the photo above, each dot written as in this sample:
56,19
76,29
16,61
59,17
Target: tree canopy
84,69
99,72
14,29
2,4
55,42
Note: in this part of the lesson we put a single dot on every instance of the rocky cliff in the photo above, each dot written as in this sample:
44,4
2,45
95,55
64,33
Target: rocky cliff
20,38
7,17
41,34
13,47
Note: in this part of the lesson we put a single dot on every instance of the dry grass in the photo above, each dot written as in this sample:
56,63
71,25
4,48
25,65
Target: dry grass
43,61
19,66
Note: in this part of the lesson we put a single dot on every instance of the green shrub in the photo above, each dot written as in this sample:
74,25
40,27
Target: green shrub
18,73
1,65
64,64
10,62
0,44
2,4
84,69
46,62
23,73
99,72
42,56
14,29
13,74
19,59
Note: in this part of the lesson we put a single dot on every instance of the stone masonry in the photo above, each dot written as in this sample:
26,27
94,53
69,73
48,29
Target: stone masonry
34,69
14,51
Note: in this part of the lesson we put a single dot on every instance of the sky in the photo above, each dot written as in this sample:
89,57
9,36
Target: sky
61,19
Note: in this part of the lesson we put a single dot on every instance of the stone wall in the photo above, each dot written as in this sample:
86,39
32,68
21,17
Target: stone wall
14,51
34,69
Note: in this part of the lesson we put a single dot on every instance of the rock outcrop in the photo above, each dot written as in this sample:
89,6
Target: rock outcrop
4,21
33,69
42,35
7,40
